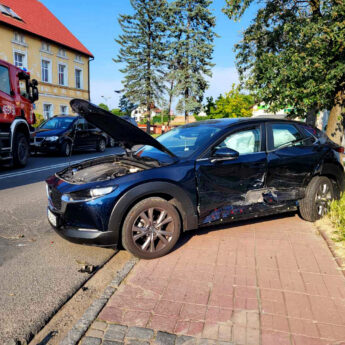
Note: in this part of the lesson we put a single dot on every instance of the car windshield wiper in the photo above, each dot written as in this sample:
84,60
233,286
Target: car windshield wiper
291,143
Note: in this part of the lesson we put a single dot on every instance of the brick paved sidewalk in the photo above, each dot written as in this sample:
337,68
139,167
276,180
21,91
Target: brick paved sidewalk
273,281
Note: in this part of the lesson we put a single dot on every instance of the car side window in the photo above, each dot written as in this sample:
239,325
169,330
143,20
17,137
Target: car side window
284,134
90,125
244,142
80,124
5,80
311,134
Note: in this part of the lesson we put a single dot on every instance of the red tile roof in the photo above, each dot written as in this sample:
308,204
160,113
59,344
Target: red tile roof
38,20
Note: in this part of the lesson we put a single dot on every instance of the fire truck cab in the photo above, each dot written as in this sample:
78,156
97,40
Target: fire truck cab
17,95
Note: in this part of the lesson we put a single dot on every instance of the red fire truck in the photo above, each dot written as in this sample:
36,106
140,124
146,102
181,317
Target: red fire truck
17,95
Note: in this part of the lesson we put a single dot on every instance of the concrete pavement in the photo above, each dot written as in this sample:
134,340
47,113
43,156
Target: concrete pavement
38,269
270,282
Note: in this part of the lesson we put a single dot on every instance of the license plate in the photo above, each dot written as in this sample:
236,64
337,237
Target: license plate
52,218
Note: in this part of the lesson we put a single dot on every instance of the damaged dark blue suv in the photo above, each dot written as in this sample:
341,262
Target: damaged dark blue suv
203,173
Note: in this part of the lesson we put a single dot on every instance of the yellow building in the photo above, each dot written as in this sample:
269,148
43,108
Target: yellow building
31,37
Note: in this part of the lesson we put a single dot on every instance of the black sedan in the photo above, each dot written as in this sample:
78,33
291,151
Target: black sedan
63,134
203,173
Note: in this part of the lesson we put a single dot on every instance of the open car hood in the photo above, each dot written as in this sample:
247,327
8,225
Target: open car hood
119,129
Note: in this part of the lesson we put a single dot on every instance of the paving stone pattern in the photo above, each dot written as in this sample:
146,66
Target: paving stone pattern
272,281
112,334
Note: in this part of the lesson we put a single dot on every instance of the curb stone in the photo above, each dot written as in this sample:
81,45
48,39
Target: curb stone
123,335
82,325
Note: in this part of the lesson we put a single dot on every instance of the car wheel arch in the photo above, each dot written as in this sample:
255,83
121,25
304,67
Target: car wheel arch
67,139
165,190
334,173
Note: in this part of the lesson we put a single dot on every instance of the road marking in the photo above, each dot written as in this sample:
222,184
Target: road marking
36,170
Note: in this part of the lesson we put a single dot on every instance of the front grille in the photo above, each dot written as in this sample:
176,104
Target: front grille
36,140
55,197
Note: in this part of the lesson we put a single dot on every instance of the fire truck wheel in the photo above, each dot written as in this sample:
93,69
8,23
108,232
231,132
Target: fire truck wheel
20,150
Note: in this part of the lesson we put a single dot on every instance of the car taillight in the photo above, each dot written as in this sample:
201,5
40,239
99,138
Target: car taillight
340,149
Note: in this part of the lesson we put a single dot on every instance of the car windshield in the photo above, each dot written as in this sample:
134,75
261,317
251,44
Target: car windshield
181,141
57,123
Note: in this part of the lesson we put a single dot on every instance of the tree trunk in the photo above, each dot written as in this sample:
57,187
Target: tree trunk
311,116
335,125
170,101
186,95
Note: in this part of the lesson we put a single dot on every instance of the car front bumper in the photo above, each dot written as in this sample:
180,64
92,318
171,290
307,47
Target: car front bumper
78,235
44,146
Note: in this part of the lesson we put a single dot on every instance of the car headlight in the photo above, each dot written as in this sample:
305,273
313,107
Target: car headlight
96,192
53,138
47,190
89,194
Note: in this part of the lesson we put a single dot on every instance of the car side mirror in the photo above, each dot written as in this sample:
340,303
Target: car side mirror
224,154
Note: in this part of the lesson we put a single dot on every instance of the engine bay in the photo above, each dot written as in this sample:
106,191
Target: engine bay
101,170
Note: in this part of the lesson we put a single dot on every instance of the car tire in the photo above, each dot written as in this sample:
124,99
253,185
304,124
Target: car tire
66,149
21,150
318,195
111,142
101,145
154,240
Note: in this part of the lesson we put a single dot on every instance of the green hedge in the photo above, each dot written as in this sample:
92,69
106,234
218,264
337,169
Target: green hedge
337,216
39,119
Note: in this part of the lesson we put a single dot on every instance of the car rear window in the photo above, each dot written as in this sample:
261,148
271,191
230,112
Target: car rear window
284,133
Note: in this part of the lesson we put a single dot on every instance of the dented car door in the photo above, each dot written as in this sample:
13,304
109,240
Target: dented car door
292,160
233,188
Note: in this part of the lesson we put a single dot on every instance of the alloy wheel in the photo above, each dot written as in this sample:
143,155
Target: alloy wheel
323,198
67,150
153,229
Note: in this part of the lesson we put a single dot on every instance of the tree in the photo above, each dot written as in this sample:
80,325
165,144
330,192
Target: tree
126,106
292,55
233,104
117,112
191,35
103,106
209,104
142,50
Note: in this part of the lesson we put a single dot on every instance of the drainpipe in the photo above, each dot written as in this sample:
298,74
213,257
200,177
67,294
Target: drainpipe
90,59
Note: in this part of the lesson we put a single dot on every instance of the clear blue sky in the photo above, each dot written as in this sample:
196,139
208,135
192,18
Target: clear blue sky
95,24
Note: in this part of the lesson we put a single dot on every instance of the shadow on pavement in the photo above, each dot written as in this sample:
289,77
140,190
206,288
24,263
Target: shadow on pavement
188,235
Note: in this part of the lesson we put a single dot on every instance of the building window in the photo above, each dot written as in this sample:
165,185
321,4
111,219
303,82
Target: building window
47,111
62,52
63,109
5,80
46,71
19,38
78,58
20,59
9,12
45,47
78,78
62,70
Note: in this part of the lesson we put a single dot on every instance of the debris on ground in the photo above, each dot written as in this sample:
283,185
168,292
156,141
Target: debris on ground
17,237
87,269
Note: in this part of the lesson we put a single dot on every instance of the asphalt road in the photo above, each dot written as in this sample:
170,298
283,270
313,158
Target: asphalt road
38,269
